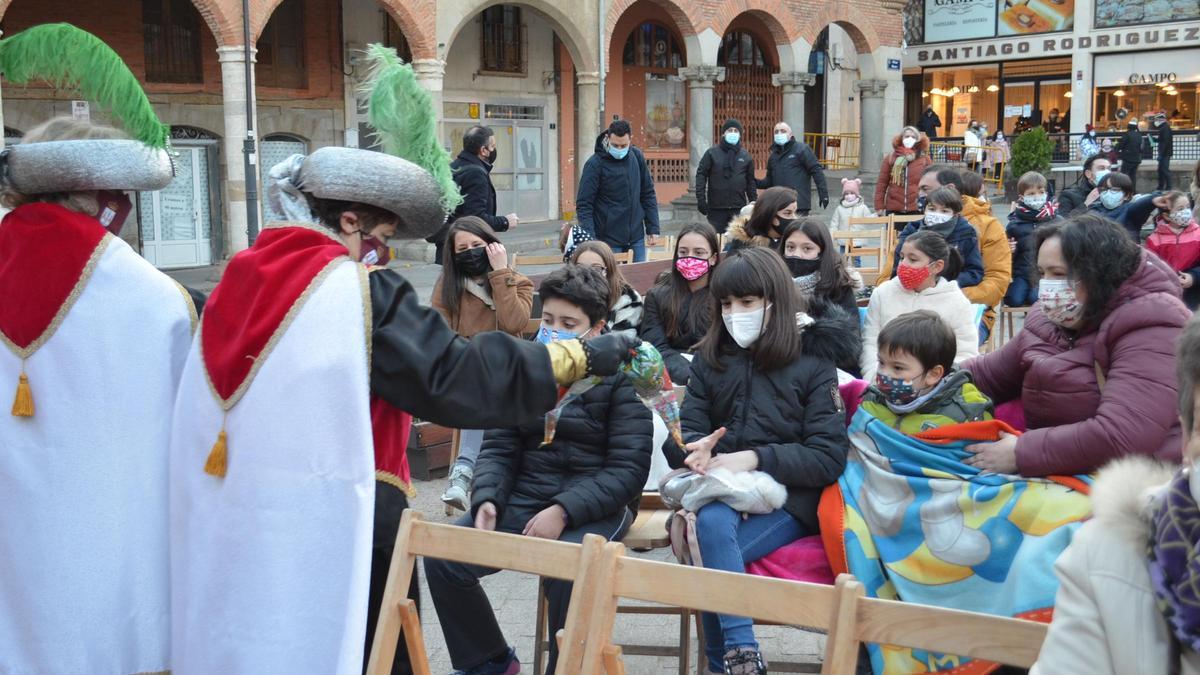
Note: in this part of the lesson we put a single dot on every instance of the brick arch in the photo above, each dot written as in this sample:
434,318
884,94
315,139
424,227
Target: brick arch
864,37
219,22
683,22
575,37
771,13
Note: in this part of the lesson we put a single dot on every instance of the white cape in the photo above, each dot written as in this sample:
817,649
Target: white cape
83,523
271,564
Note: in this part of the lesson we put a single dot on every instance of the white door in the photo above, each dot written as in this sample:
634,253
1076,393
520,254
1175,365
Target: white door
176,220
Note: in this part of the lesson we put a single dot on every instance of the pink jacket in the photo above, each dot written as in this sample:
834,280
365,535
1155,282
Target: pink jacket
1180,251
1075,424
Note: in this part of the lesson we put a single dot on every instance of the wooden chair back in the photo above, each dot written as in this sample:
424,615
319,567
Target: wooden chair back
542,557
867,251
519,259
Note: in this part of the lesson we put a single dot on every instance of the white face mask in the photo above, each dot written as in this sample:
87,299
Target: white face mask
1058,301
1181,218
908,141
935,218
1035,202
745,327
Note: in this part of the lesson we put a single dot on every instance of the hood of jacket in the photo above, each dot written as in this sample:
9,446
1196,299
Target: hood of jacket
832,336
921,148
737,231
1125,490
976,207
603,151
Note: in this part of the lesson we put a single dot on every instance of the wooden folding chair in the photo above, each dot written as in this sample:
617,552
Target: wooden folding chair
623,258
531,555
532,260
858,253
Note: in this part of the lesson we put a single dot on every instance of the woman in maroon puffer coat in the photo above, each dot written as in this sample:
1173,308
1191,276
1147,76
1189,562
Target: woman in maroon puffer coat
896,191
1094,366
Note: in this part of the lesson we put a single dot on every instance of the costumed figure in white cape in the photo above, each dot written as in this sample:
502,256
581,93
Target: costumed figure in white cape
284,477
94,342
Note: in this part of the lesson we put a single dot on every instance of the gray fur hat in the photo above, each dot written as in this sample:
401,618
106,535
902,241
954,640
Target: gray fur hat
83,165
364,176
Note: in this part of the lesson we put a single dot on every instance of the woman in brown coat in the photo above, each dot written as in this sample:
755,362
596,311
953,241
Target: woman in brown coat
896,191
477,292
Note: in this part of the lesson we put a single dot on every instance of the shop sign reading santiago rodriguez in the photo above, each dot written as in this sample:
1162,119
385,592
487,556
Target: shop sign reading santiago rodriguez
1058,45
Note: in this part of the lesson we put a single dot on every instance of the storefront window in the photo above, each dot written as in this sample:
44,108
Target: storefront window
652,56
1117,105
959,95
666,115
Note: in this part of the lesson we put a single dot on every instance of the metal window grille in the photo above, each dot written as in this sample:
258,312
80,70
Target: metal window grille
171,40
502,40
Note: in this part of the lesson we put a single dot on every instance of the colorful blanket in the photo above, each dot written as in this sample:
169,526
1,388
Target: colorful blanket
912,522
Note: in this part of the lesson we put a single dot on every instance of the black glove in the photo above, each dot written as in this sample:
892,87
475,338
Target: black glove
702,207
606,353
824,202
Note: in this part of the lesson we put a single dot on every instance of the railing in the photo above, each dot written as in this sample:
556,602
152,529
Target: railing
1186,144
835,151
989,161
668,170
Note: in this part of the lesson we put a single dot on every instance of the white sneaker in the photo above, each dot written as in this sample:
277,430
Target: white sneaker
458,489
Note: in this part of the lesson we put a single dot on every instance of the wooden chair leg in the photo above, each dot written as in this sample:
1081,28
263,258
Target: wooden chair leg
685,640
539,632
613,663
701,657
414,639
395,595
841,644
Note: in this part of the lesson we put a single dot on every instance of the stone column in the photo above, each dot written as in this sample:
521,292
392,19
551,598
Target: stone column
794,85
870,148
700,80
233,92
587,118
430,74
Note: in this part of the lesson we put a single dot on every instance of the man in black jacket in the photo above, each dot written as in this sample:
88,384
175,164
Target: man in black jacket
1166,148
1131,152
1073,198
472,174
585,481
793,164
725,179
929,122
616,202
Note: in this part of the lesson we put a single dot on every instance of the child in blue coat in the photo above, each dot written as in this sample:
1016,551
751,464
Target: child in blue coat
943,214
1030,211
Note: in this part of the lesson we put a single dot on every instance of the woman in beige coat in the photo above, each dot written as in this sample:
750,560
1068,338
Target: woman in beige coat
1127,600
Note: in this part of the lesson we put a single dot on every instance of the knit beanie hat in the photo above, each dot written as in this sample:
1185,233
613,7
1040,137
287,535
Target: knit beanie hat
851,186
731,124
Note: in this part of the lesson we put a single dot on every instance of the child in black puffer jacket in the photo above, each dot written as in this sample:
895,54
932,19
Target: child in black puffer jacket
1032,210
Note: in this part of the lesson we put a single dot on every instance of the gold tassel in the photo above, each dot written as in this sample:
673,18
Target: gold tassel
218,457
23,403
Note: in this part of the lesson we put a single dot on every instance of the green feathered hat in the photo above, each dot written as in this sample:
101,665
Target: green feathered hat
72,59
405,122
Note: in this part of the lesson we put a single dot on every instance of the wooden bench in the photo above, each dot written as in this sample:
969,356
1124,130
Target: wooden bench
430,450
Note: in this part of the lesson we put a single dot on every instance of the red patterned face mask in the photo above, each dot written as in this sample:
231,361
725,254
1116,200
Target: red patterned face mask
911,277
692,268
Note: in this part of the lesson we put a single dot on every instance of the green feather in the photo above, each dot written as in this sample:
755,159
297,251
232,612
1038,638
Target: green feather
402,114
69,58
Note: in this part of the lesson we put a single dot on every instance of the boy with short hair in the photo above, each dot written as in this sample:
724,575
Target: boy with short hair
587,480
1029,212
916,385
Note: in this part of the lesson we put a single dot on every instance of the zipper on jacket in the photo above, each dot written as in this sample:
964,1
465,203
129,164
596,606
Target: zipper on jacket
746,399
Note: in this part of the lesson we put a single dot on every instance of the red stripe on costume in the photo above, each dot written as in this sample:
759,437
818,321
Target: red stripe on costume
390,427
257,291
44,249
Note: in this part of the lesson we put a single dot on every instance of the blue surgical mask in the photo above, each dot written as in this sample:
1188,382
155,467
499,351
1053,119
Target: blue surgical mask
732,137
1100,175
618,153
546,335
1111,199
781,139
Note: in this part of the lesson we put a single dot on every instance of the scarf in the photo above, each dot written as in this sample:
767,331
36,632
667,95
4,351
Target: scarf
944,229
1047,212
1174,554
899,165
731,155
807,283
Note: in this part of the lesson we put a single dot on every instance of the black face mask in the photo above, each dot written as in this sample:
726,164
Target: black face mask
799,267
922,201
473,262
495,152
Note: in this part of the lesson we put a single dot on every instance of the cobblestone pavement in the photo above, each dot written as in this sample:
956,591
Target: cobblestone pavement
514,596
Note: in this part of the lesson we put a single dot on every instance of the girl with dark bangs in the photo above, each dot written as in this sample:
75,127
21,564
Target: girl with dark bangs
763,396
678,310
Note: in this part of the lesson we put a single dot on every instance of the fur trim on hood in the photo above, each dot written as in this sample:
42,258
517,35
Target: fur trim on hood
921,148
1125,490
737,231
832,336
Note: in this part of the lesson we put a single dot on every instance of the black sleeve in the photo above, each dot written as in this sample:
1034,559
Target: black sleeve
702,172
496,469
695,417
751,181
420,365
649,197
653,331
768,181
473,183
1067,201
623,473
198,299
809,159
904,234
1138,212
820,457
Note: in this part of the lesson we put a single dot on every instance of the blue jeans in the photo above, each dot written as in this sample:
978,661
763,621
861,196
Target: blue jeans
1021,293
638,247
728,542
469,443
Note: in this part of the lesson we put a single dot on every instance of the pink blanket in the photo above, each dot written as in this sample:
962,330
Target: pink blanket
801,560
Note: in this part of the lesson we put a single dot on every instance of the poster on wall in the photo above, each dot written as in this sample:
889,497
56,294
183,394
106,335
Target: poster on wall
1111,13
1023,17
959,19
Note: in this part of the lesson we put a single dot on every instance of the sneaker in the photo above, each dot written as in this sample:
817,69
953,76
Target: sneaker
458,489
744,661
504,665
